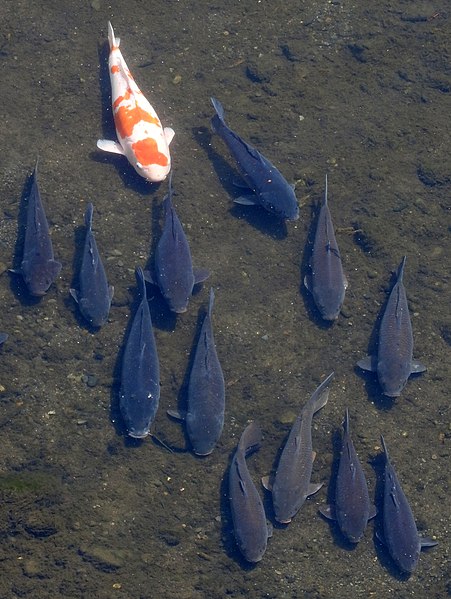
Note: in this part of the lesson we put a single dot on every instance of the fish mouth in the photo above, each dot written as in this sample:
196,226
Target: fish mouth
203,453
38,293
181,310
284,521
392,393
139,435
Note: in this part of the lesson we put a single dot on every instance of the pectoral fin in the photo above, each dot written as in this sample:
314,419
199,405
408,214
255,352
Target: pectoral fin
200,275
313,488
368,363
267,483
328,511
176,414
168,134
417,367
427,542
107,145
247,200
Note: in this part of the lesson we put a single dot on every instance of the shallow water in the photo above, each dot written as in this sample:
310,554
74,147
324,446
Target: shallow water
357,91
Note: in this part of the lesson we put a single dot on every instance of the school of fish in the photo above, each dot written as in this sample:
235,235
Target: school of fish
145,143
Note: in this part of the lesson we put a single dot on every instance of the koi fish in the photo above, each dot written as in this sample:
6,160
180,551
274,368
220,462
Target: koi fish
142,139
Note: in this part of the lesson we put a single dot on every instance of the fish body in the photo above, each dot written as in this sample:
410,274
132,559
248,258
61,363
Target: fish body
38,268
140,378
352,508
267,185
206,393
394,362
291,485
141,136
400,531
94,294
327,282
248,514
174,272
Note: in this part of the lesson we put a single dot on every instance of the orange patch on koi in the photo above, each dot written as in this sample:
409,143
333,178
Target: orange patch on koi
120,99
126,118
146,152
115,69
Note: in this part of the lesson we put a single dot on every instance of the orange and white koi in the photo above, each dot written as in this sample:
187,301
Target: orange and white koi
141,136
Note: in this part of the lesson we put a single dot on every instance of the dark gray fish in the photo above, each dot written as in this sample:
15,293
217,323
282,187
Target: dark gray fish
267,186
174,273
248,513
94,295
394,362
206,395
327,282
3,337
352,508
400,532
140,378
38,268
291,485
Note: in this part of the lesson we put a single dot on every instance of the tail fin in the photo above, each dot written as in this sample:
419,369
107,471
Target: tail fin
346,422
400,272
141,282
250,439
319,398
88,216
218,118
211,302
114,41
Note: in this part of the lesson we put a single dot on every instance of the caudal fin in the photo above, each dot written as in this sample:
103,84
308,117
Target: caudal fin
319,398
250,439
114,41
218,118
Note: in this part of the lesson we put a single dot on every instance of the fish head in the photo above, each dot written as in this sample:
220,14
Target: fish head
392,376
329,303
179,305
152,172
40,276
150,157
280,203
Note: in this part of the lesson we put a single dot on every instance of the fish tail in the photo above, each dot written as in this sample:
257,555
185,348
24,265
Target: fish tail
401,269
218,107
141,281
211,302
218,118
113,41
321,395
346,421
88,216
250,439
385,448
167,201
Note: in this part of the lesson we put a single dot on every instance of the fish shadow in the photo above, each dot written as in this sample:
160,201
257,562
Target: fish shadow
130,178
256,216
338,538
377,462
16,280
